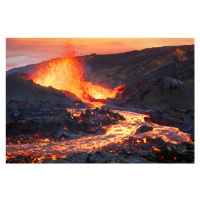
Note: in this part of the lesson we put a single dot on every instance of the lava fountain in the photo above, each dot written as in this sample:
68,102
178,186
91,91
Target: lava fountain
68,75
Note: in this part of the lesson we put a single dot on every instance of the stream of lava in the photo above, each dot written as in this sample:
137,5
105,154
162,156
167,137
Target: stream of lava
115,134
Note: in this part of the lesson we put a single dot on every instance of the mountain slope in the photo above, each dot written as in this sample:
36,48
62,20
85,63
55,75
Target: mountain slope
19,89
128,68
162,94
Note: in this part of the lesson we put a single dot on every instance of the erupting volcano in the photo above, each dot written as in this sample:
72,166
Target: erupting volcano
56,112
68,75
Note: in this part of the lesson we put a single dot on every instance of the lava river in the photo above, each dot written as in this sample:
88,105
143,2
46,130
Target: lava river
115,134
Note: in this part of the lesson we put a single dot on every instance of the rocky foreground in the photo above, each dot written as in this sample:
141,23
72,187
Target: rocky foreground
127,152
87,130
180,153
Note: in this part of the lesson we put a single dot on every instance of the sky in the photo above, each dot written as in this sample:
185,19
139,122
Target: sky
24,51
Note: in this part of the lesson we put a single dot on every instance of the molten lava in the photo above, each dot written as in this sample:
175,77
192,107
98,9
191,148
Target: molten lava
68,74
117,133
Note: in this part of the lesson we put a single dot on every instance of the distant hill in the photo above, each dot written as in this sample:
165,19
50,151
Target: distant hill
32,68
130,67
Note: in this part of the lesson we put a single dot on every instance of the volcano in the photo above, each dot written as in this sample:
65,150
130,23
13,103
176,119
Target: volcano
134,107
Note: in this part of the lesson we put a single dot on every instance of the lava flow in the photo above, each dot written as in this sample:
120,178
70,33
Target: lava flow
115,134
67,74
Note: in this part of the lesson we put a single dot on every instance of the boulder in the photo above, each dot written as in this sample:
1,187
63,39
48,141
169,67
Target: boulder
101,157
144,128
75,158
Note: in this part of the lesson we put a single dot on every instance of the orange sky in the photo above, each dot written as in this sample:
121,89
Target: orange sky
24,51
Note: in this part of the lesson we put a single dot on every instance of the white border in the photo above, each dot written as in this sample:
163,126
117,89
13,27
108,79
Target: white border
99,19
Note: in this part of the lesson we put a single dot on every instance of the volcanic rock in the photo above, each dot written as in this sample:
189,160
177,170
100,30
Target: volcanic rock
62,133
35,124
150,156
160,94
75,158
144,128
130,159
181,119
101,157
67,135
100,132
71,124
181,153
91,121
108,157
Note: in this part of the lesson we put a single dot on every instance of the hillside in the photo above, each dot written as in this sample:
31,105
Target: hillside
160,94
128,68
19,89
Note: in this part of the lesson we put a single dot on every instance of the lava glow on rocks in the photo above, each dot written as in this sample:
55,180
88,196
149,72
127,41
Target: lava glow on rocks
116,133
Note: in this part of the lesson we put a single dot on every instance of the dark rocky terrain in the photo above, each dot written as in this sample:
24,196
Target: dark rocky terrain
180,153
161,94
128,68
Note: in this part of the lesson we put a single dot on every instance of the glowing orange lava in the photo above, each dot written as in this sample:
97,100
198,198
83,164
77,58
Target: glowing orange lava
68,74
115,134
